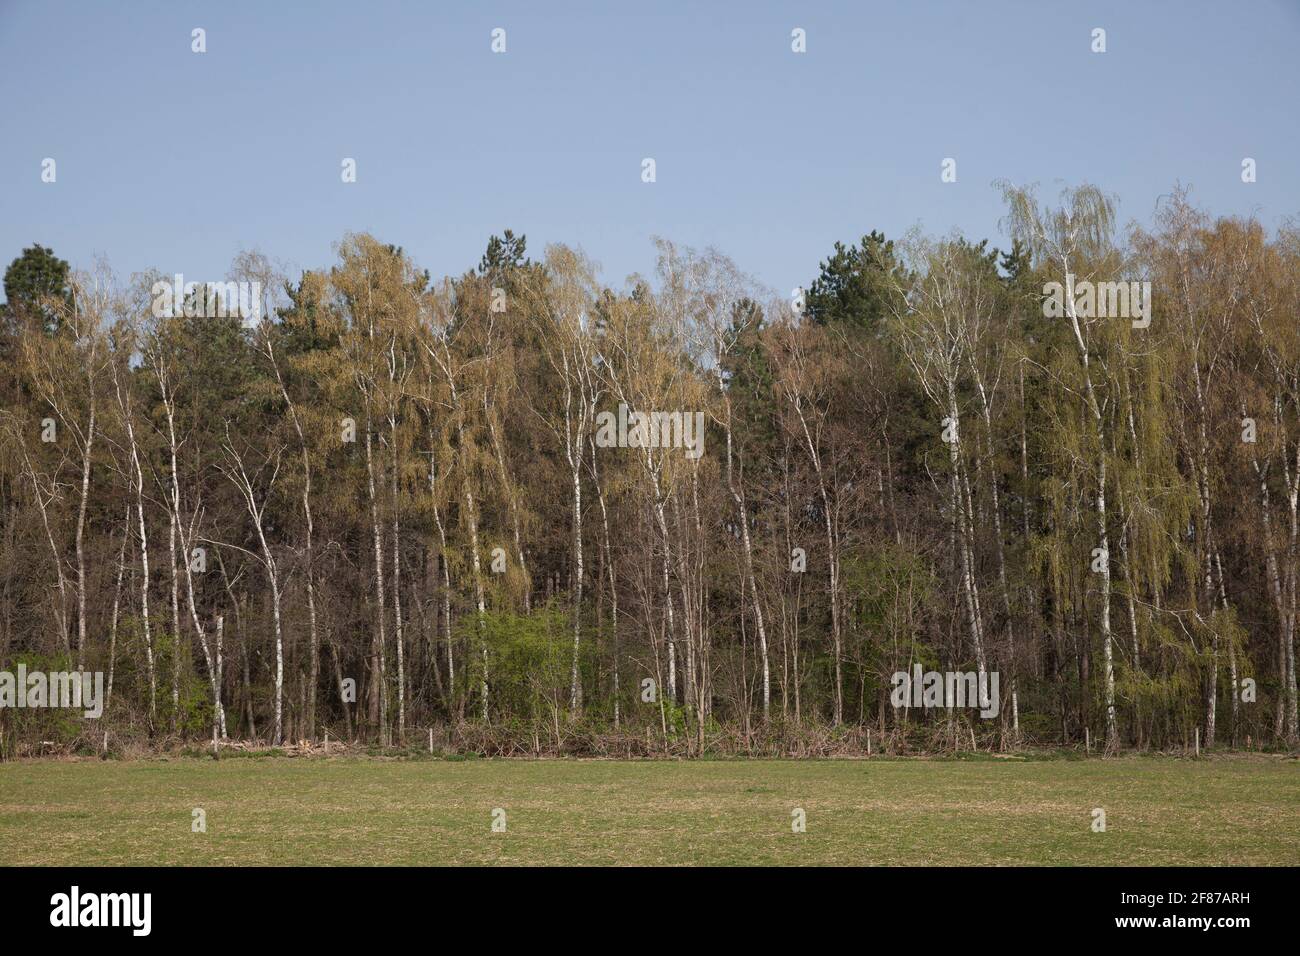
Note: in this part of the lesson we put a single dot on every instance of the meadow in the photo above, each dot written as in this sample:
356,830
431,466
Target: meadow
272,810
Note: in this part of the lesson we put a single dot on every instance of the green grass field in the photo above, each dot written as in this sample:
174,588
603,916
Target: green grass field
275,810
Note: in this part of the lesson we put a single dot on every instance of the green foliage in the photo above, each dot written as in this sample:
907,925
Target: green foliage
60,725
529,660
857,285
30,281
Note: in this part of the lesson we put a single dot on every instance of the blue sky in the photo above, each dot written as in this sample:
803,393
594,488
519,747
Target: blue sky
175,161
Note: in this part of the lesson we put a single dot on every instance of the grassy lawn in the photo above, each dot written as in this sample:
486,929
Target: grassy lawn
275,810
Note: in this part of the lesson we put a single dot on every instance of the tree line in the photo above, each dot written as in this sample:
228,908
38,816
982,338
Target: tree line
380,503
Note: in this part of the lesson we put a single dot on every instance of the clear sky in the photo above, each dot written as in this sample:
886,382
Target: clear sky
174,160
